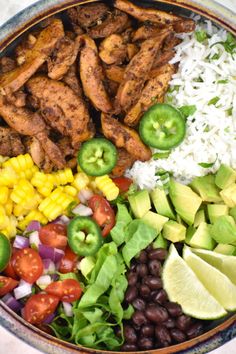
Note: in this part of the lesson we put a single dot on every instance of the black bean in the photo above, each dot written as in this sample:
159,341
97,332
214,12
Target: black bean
178,335
129,348
147,330
170,323
139,318
144,291
159,253
130,334
142,270
131,294
174,309
149,248
143,257
195,330
139,304
159,296
153,283
183,322
156,313
132,278
163,335
145,343
133,266
155,267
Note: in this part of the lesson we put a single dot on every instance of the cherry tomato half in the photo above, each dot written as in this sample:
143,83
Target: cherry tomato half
27,264
9,270
68,262
123,183
7,285
68,290
38,307
54,235
103,213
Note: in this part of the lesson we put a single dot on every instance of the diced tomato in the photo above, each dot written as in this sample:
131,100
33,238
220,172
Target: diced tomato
9,270
123,183
38,307
54,235
67,290
27,264
68,262
103,213
7,285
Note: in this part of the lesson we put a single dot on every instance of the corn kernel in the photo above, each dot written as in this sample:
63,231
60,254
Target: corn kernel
4,194
9,207
81,181
63,177
107,187
72,191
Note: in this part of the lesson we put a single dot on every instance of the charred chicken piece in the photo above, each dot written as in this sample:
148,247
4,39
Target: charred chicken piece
11,144
115,73
125,160
125,137
148,30
71,78
92,76
7,64
73,17
88,15
112,50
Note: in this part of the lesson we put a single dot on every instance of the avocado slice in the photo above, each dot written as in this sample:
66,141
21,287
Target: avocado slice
228,195
232,213
224,230
161,203
140,203
228,250
216,210
225,176
160,242
174,232
189,234
206,188
185,201
155,220
202,237
200,217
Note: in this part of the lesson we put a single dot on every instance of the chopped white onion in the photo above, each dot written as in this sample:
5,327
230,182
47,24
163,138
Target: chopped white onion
67,309
64,219
34,238
82,210
24,289
44,281
84,195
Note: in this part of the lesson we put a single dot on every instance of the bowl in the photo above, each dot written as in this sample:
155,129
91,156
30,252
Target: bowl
221,331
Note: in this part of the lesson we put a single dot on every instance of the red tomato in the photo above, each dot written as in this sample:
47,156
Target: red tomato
9,270
38,307
27,264
123,183
103,213
68,290
7,285
68,262
54,235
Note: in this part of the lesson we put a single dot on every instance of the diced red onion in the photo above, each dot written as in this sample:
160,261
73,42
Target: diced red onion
67,309
33,226
11,302
59,254
55,277
64,219
49,266
24,289
82,210
47,252
49,319
21,242
84,195
44,281
34,239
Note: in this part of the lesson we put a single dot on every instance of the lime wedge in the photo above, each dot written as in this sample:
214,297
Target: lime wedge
183,287
226,264
217,283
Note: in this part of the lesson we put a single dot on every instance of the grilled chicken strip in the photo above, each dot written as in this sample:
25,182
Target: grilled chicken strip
125,137
148,30
11,144
46,42
138,70
7,64
153,92
89,15
125,160
115,73
112,50
180,24
71,78
62,108
30,124
92,76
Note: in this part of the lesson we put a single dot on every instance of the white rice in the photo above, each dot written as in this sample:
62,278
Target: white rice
211,130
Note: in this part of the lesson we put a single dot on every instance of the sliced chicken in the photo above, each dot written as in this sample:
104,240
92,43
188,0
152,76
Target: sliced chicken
125,160
148,30
11,144
115,73
138,70
62,109
23,49
167,53
92,76
46,42
7,64
125,137
112,49
180,24
18,98
132,50
153,92
73,17
34,148
90,14
71,78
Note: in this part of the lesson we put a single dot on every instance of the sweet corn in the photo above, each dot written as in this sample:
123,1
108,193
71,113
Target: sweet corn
8,177
43,182
63,177
81,181
3,159
9,207
71,191
23,165
24,193
18,210
4,194
107,187
4,220
10,229
33,215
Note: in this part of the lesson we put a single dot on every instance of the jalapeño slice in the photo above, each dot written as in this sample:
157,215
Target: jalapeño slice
5,251
162,127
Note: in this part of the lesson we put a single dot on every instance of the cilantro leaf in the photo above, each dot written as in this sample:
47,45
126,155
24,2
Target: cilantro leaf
201,36
214,101
188,110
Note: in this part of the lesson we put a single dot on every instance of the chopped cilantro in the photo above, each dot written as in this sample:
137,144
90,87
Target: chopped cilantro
188,110
214,101
161,155
223,81
201,36
207,164
229,45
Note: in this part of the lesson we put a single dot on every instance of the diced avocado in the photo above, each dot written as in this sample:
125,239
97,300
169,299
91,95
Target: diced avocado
200,217
229,195
206,188
225,176
185,201
224,230
140,203
173,231
155,220
189,234
232,212
160,242
161,203
202,237
179,220
228,250
216,210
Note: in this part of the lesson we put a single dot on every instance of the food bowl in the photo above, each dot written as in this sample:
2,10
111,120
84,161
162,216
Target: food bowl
221,332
